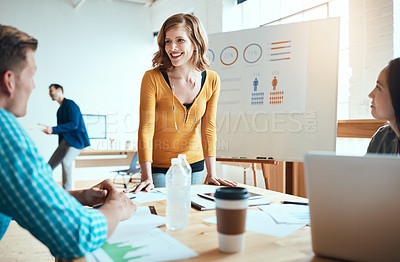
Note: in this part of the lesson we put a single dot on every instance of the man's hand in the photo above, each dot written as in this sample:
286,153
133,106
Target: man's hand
116,208
120,204
48,130
95,195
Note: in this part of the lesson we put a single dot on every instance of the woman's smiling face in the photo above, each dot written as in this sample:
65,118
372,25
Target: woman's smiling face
178,46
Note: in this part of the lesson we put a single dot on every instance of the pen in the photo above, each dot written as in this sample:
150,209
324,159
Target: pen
100,205
295,203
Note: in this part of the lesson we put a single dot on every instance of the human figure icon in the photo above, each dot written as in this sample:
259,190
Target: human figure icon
274,83
255,84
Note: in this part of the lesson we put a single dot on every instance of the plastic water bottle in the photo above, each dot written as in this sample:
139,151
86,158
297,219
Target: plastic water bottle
178,195
188,169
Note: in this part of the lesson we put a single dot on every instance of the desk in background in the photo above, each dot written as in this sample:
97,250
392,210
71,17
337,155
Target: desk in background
359,128
98,158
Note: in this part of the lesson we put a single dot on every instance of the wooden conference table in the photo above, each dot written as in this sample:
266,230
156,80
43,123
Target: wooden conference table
199,236
203,237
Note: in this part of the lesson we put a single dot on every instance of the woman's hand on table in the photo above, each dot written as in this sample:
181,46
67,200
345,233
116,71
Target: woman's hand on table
219,181
145,185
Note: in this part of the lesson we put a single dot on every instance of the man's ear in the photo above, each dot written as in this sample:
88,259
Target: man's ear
7,84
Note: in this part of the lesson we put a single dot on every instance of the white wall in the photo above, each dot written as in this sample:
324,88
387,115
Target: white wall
208,11
98,53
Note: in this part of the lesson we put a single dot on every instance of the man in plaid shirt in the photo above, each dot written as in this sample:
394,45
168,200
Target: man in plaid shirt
28,193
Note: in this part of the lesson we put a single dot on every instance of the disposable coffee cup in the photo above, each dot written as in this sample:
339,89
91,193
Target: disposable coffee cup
231,207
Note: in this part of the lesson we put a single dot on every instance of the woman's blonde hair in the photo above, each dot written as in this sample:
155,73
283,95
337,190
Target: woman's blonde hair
196,34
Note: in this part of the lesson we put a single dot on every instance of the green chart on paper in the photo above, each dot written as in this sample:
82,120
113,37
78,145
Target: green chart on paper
117,252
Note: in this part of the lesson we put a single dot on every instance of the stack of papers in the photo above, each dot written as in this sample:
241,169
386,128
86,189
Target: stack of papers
137,238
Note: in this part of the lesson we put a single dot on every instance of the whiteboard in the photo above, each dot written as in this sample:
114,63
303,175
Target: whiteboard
283,117
96,126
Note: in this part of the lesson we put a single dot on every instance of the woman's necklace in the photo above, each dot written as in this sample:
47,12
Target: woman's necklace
173,109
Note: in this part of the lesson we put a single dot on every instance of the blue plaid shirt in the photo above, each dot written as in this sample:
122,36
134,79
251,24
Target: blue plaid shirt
29,195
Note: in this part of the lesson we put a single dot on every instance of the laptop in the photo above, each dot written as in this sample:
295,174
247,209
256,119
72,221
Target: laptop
354,206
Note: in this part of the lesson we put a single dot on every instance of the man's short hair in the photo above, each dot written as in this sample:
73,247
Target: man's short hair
57,86
13,47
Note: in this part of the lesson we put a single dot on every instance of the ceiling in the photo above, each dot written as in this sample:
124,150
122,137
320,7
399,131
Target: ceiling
78,3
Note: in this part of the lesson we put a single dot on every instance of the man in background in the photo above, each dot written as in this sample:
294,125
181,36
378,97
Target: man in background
28,193
72,134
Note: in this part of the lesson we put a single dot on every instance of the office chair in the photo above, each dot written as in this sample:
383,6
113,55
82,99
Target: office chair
132,170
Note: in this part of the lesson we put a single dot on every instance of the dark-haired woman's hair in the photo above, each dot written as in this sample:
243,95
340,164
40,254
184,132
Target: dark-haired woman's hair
394,87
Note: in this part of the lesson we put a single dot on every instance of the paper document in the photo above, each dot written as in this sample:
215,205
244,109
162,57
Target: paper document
138,239
289,214
153,195
161,193
195,189
37,127
152,245
142,220
260,222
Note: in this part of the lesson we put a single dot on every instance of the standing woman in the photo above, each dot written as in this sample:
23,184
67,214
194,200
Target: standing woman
176,96
386,105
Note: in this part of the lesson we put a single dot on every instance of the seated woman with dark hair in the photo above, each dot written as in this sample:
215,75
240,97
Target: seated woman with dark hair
385,105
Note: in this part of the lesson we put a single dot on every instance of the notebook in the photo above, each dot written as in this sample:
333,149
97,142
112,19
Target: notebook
201,203
210,196
354,209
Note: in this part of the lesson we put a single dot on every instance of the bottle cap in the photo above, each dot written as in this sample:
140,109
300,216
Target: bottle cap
176,161
182,156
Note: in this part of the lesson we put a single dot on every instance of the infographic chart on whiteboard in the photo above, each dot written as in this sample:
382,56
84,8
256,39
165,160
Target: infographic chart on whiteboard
262,69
